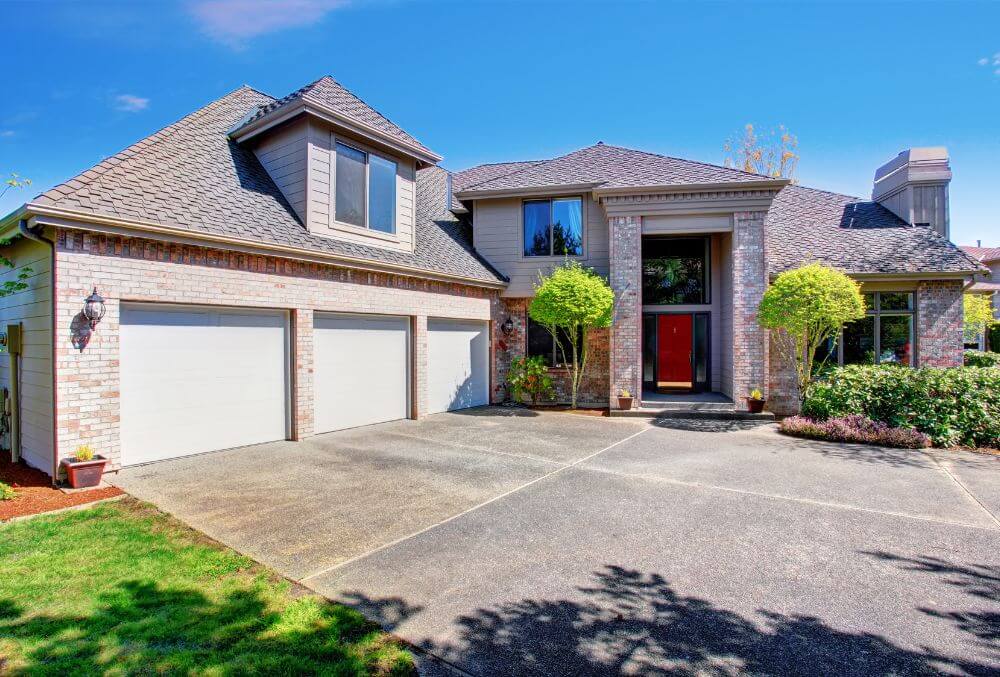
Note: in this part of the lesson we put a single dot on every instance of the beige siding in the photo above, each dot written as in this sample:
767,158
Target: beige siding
283,155
33,309
497,236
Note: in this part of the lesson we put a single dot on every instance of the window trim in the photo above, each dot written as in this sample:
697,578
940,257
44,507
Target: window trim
876,312
366,229
552,257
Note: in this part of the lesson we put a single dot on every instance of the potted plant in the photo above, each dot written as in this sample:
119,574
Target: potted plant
84,468
624,399
755,402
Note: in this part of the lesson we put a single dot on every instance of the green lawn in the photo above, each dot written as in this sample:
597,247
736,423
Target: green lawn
121,589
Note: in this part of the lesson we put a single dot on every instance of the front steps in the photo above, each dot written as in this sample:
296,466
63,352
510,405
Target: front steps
713,411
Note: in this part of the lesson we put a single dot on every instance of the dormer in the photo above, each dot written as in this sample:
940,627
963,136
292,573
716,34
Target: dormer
346,170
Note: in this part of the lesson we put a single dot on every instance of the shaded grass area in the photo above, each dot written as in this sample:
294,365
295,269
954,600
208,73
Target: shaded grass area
123,589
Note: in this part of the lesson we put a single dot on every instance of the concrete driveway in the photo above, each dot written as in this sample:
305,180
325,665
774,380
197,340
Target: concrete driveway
508,542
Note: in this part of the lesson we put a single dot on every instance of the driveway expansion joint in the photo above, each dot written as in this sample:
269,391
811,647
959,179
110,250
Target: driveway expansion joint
964,488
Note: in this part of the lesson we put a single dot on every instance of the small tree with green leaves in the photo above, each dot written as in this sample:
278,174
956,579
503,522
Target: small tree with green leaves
978,316
805,308
569,302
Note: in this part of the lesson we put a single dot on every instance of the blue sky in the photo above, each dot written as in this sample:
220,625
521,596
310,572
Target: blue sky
486,82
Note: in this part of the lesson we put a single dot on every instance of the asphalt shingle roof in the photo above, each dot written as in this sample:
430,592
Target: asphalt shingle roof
984,254
191,176
607,166
858,236
329,93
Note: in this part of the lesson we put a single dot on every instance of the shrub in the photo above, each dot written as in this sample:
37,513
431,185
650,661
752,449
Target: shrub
977,358
84,452
952,406
530,376
855,428
7,492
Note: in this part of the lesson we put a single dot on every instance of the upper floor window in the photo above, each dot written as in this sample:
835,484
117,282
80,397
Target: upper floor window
675,270
883,336
365,193
553,227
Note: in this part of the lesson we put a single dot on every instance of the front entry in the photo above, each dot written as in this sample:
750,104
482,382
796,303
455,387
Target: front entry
675,352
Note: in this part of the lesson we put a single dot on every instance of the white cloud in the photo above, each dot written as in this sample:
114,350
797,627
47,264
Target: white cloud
991,61
6,133
233,22
983,61
131,103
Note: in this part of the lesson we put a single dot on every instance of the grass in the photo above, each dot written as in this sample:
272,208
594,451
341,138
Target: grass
123,589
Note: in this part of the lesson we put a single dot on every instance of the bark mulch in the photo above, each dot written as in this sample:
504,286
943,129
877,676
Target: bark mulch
35,493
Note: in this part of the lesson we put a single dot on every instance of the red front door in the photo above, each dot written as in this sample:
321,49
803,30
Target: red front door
673,348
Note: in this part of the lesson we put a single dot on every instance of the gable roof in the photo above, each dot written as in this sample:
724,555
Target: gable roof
190,176
603,166
858,236
331,95
984,254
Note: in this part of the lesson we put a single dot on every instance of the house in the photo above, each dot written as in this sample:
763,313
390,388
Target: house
989,257
278,268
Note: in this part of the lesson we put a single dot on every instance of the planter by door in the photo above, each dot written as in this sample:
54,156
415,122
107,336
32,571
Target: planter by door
755,406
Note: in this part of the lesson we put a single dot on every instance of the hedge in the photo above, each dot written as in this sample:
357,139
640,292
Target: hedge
977,358
952,406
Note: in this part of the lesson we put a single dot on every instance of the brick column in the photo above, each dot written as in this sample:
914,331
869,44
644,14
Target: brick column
750,341
418,373
939,323
302,419
625,245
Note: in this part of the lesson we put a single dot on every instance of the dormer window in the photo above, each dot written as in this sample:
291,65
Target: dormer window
365,190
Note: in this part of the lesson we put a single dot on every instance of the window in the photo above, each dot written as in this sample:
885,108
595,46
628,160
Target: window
675,270
883,336
365,193
541,344
553,227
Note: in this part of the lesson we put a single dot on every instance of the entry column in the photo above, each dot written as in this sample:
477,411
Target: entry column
750,340
625,245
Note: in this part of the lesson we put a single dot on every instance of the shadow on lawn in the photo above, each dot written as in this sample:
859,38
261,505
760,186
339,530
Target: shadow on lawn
141,628
628,622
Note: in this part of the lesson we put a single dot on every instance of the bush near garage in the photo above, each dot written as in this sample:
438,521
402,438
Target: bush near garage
978,358
857,429
957,406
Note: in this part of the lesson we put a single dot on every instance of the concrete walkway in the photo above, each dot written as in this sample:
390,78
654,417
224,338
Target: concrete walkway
503,541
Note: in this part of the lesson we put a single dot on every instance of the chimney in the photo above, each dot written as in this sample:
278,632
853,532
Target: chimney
914,186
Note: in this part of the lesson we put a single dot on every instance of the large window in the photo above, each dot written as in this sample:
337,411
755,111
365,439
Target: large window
675,270
553,227
541,344
365,194
883,336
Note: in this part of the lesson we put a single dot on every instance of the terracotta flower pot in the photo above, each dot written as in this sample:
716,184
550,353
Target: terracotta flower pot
625,402
84,473
755,406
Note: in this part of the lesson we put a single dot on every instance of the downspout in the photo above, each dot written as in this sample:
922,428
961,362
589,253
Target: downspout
36,235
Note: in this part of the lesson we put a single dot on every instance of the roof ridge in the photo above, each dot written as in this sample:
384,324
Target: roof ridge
127,153
680,159
508,162
830,192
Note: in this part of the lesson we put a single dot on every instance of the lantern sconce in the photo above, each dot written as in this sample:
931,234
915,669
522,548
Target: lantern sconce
93,308
507,327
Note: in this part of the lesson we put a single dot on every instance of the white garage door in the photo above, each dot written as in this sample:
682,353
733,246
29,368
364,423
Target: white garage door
200,379
361,366
458,364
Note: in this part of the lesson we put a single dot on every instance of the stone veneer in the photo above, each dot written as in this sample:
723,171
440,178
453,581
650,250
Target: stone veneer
625,344
750,341
141,270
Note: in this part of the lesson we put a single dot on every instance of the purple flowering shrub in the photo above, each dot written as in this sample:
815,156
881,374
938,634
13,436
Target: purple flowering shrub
855,428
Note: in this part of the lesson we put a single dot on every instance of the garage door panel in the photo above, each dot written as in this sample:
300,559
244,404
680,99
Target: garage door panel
360,370
457,364
200,380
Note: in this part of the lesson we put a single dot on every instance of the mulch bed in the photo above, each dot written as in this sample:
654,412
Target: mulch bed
35,493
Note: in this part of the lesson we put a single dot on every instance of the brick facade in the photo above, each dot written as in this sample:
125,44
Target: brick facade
750,341
625,250
126,269
940,315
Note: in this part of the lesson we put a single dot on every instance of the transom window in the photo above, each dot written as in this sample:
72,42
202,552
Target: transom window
365,194
675,270
553,227
883,336
541,344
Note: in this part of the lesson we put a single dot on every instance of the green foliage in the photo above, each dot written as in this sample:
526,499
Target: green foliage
14,181
574,299
959,406
978,313
528,376
995,338
8,287
978,358
805,308
84,452
7,492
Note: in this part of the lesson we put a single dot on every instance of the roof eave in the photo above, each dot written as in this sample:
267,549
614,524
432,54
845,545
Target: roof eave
773,184
560,189
309,107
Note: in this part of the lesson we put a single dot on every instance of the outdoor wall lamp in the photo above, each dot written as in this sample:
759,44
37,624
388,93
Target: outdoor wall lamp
507,327
93,308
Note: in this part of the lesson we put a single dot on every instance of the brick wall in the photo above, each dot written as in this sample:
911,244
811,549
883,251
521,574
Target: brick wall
144,270
625,246
783,388
750,341
939,323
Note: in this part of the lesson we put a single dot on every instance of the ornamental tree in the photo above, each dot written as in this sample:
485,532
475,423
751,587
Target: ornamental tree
978,314
805,308
569,302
